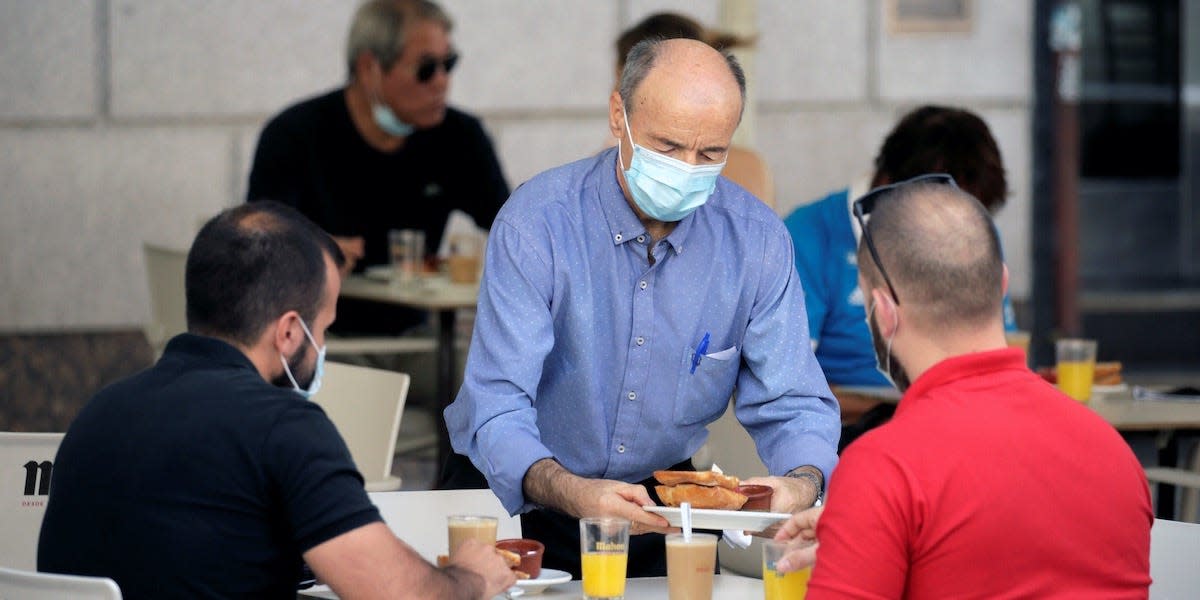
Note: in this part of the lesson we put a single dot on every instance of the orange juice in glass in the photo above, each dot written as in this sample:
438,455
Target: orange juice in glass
782,586
604,551
1076,367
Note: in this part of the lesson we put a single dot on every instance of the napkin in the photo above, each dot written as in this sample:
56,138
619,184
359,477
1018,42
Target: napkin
459,223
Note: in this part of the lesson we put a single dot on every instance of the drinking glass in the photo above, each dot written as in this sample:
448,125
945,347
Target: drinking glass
461,528
782,586
407,250
1076,367
604,552
690,566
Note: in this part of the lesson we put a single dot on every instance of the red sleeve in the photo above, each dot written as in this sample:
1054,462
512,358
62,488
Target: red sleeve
867,527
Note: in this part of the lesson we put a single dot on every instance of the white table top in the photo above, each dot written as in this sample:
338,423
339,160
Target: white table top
1126,414
431,294
724,586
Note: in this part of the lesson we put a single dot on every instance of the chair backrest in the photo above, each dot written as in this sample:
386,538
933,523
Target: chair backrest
366,405
419,517
1174,560
27,459
168,303
30,585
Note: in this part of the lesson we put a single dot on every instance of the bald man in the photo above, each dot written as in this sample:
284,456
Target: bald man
624,297
989,482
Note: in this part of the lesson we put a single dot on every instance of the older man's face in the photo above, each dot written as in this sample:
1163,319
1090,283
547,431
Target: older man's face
687,108
421,104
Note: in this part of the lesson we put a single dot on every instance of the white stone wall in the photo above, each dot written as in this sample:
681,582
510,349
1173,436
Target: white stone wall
123,121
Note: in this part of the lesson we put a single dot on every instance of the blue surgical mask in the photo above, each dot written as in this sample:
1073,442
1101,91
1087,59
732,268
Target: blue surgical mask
315,385
388,121
664,188
893,372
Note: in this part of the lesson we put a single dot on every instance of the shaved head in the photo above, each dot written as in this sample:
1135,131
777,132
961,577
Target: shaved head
942,252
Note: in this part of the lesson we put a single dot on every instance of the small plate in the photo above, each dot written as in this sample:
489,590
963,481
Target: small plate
545,579
702,518
1110,389
379,272
510,593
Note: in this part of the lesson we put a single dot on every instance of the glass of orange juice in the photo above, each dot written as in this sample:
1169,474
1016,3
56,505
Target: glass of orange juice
604,552
1076,367
782,586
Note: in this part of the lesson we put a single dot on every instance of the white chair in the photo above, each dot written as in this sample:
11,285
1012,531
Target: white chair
366,406
29,585
168,306
1174,558
732,449
28,460
419,517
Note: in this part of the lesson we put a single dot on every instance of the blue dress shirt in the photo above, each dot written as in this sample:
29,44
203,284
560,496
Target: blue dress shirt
583,350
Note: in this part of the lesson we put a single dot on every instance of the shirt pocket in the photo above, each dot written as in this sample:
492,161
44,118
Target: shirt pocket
702,396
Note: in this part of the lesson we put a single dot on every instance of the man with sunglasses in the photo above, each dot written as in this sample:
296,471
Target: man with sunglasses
988,482
929,139
625,296
384,151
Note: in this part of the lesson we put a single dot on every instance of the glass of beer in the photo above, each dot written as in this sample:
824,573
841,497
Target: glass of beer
782,586
690,566
1076,367
464,527
604,552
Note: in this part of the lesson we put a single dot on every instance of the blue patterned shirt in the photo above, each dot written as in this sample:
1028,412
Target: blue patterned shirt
583,350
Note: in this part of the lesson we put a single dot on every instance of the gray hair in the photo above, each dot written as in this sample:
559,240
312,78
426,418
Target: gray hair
641,59
379,27
942,251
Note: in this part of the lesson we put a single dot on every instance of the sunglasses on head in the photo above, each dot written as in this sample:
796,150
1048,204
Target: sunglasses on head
428,66
864,205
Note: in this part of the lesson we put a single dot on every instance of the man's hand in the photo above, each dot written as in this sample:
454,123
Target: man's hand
800,530
483,560
549,484
354,248
797,491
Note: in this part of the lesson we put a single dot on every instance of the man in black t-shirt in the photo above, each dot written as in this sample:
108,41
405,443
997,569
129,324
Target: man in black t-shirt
210,475
385,151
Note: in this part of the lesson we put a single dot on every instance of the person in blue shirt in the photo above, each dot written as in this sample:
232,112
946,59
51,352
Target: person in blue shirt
624,297
929,139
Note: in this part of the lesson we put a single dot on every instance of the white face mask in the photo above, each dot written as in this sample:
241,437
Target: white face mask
314,386
898,378
384,116
664,188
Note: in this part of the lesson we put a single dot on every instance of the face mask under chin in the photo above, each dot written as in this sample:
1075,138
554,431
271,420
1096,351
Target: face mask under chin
885,363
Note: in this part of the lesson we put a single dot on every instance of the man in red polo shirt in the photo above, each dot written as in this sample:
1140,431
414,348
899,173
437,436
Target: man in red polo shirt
988,482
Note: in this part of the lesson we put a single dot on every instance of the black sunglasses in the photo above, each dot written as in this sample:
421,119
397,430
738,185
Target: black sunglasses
429,65
864,205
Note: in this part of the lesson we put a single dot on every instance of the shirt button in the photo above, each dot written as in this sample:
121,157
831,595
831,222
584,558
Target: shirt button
621,449
642,285
641,238
633,395
618,237
641,340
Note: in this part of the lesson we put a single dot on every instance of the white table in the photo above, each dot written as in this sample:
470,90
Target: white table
648,588
437,296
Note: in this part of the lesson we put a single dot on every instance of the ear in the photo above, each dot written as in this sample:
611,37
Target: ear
887,314
616,116
365,66
286,334
1004,282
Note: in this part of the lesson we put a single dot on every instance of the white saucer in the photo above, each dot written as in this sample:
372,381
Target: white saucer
545,579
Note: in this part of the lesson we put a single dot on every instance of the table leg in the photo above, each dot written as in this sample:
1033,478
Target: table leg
445,381
1168,456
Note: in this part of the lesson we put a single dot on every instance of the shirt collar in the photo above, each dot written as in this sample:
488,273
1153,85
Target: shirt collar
963,366
858,188
623,223
207,348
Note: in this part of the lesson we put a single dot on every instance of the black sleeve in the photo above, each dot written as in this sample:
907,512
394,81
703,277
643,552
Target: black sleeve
316,480
277,160
490,190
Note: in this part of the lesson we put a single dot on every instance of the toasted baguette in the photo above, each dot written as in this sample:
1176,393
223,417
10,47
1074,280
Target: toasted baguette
512,559
1107,373
704,478
700,496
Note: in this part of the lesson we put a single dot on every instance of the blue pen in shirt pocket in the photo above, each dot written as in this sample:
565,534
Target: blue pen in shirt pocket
700,350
